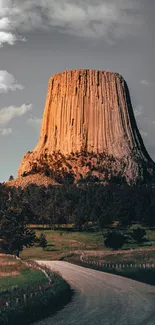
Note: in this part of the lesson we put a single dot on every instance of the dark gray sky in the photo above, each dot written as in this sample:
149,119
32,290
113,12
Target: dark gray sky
41,37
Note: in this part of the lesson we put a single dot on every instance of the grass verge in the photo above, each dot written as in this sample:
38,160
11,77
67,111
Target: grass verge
29,296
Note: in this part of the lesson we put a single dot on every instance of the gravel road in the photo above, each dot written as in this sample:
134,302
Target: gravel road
102,299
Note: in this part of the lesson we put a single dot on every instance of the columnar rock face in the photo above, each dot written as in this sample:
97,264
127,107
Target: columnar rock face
90,111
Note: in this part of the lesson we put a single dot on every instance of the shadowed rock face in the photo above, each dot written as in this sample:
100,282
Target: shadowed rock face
89,111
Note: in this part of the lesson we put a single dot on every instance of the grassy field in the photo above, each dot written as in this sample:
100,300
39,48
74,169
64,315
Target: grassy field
68,244
64,242
26,294
14,273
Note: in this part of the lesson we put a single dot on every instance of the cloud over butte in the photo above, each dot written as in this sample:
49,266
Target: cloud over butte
108,19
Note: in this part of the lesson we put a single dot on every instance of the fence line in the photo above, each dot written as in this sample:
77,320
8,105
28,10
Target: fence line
22,299
116,265
36,266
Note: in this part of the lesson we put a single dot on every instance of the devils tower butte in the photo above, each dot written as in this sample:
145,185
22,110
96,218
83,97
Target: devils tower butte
90,111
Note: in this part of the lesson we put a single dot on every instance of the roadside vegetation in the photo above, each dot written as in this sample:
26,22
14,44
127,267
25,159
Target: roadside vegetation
112,223
56,221
145,275
68,244
26,294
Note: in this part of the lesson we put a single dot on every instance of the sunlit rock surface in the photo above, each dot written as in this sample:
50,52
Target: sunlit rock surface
88,116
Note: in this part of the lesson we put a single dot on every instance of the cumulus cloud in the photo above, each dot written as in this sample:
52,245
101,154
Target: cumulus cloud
4,23
145,82
7,37
88,18
8,82
8,113
7,26
5,131
35,122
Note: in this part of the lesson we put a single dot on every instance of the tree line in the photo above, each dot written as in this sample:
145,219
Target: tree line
79,205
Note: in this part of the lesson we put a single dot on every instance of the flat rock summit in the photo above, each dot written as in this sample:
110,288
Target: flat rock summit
88,131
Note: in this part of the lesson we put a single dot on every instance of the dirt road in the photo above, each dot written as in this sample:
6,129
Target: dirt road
102,299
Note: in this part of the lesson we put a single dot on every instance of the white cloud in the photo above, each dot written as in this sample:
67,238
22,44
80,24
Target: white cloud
107,19
4,6
145,82
8,113
8,82
35,122
4,23
139,110
4,131
7,38
7,26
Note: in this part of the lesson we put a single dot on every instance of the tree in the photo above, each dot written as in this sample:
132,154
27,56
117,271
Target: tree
138,234
11,178
105,219
114,239
42,241
13,232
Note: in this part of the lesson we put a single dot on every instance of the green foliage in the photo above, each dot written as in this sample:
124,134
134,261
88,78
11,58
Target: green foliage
42,241
14,233
81,203
114,239
11,178
138,234
48,299
27,280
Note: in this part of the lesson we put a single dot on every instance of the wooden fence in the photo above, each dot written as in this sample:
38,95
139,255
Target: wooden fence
116,265
5,302
20,300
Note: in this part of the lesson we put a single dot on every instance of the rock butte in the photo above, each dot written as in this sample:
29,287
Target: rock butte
90,111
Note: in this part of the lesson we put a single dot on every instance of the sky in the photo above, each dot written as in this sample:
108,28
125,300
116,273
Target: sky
39,38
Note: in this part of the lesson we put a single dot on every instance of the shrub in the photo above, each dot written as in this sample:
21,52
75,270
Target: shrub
42,241
11,178
114,239
138,234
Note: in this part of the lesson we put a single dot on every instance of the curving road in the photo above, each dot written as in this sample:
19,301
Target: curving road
102,299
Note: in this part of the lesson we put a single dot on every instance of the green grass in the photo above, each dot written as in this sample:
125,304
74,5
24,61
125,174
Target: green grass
27,280
15,273
46,301
62,242
26,295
